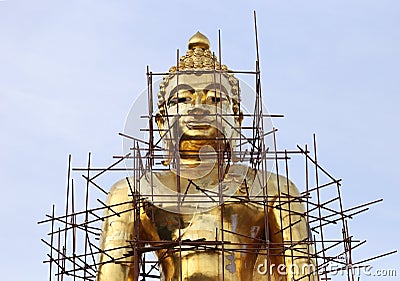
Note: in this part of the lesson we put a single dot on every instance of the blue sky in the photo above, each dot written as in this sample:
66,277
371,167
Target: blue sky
70,70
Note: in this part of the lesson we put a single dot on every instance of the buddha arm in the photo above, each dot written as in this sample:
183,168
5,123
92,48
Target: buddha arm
118,227
289,229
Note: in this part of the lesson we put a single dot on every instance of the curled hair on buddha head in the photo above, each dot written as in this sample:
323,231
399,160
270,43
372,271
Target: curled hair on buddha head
198,60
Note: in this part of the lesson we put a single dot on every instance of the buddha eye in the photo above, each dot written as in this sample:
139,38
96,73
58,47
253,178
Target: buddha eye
215,97
175,100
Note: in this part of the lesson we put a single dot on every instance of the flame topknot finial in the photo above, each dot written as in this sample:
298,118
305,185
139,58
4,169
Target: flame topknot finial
199,40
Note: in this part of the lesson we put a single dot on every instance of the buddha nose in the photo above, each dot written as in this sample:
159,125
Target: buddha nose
199,107
199,110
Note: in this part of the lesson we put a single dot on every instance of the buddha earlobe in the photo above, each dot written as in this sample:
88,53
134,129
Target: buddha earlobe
160,121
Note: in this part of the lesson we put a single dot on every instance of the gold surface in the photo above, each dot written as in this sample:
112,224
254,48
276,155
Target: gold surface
240,238
198,40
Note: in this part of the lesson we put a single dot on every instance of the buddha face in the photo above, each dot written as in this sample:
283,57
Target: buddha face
198,114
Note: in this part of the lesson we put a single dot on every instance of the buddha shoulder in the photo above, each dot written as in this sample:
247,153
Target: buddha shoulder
121,191
257,181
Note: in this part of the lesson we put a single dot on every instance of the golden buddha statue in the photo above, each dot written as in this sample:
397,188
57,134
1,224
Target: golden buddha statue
207,217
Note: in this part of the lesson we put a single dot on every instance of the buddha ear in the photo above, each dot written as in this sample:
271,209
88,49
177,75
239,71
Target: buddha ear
238,114
160,120
239,118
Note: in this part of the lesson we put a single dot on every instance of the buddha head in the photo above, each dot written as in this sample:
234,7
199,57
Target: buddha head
199,114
